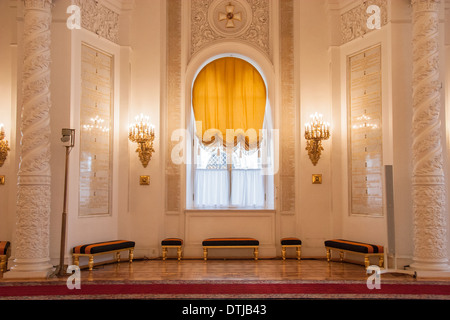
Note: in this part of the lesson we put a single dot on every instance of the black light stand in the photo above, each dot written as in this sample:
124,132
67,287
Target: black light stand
68,137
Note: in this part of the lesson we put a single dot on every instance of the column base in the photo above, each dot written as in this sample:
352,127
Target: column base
28,269
431,268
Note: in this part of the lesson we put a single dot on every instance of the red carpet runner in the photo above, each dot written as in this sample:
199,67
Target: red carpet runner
224,290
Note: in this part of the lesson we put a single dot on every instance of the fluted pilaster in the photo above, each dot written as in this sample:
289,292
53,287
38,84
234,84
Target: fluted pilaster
31,242
429,194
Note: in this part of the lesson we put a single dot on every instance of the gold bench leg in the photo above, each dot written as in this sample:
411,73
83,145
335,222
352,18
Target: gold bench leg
205,254
131,255
164,253
283,252
255,253
381,261
91,263
298,253
366,261
3,263
179,253
328,255
76,260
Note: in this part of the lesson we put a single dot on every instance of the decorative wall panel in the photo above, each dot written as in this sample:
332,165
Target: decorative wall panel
98,19
288,114
249,21
365,133
354,21
173,116
95,132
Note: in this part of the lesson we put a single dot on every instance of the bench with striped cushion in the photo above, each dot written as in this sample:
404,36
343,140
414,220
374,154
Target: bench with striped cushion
98,248
5,249
291,242
230,243
366,249
172,243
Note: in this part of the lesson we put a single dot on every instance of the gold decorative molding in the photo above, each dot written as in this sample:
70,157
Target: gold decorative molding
365,132
4,147
144,180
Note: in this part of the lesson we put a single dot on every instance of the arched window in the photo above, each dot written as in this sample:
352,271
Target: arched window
232,141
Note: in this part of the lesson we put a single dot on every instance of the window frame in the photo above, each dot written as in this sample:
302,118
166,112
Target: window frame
268,179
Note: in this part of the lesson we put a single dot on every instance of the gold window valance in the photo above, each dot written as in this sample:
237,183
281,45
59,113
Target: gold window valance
229,96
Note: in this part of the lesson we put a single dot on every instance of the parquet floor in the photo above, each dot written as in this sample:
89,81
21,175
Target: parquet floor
230,269
270,269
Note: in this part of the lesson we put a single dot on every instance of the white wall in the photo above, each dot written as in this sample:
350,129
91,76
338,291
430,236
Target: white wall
315,211
144,220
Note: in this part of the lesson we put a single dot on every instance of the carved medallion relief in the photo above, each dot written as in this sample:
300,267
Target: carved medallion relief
245,20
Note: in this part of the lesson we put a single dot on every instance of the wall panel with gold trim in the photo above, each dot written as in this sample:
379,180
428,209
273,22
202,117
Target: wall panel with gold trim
365,132
95,132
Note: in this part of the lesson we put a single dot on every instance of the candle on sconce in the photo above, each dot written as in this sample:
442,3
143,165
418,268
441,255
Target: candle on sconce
316,130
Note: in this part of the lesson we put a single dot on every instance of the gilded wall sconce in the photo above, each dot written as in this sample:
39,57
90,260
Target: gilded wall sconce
143,133
315,131
4,148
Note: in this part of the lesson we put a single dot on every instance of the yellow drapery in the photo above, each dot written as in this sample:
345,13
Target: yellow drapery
229,101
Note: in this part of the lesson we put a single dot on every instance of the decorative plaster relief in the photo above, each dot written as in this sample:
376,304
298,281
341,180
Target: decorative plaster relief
99,19
34,176
429,192
288,108
354,21
253,27
173,109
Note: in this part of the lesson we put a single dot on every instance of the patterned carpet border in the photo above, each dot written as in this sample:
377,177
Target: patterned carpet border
224,289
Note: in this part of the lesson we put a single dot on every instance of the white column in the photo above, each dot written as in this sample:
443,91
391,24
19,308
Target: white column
31,242
429,194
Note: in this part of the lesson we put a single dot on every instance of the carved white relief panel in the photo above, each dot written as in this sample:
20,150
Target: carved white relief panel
99,19
354,21
245,20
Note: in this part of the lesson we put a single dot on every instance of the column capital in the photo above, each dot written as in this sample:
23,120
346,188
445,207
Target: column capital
426,5
37,4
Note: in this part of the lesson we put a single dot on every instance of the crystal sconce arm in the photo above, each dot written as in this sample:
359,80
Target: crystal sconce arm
143,133
4,147
315,132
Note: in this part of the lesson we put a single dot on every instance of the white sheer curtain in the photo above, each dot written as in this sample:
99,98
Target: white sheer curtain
212,188
246,185
247,188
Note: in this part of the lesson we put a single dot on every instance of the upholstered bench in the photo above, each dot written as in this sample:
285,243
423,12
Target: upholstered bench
171,243
5,252
365,249
291,243
99,248
230,243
